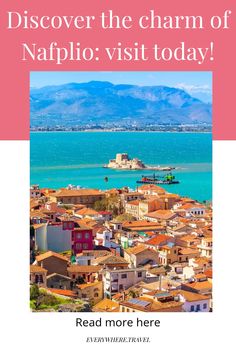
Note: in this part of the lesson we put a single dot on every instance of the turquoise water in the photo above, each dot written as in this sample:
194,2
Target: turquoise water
61,158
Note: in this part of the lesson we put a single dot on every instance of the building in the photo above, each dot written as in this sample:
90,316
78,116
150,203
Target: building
78,196
199,285
38,275
82,238
155,301
158,241
53,262
106,305
121,279
142,226
148,205
59,281
132,208
193,302
92,292
122,161
103,237
205,247
140,255
89,274
111,261
163,216
189,241
195,210
151,189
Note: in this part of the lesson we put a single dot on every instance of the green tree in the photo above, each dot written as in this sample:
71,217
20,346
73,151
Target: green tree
34,292
125,217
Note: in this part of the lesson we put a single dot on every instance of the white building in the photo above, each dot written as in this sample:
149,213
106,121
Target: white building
119,280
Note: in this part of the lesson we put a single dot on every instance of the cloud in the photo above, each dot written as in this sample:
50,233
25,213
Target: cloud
194,88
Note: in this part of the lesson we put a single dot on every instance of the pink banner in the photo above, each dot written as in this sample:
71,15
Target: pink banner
15,72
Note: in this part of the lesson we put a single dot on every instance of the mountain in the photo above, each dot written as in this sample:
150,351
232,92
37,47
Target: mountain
102,103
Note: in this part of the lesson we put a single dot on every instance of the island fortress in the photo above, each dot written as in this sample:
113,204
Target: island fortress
123,162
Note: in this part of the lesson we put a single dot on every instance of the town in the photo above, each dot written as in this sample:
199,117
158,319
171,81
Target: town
119,250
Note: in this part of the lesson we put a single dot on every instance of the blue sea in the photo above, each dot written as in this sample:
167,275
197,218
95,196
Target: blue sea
61,158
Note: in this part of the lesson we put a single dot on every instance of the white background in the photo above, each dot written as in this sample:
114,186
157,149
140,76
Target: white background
56,332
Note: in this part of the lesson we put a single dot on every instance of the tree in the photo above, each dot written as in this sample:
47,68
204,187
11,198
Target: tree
125,217
34,292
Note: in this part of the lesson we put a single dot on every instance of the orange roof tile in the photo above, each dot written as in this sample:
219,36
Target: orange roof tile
48,254
84,269
158,239
37,269
63,292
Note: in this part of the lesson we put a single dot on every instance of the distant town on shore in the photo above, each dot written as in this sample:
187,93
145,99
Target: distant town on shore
195,128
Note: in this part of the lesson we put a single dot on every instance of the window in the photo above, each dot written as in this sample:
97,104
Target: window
198,307
78,246
204,306
87,236
192,308
139,274
85,246
123,309
96,295
78,236
71,225
123,276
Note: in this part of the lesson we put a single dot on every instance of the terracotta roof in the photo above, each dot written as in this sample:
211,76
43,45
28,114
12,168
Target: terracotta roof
190,296
106,305
87,211
37,269
186,251
200,276
151,187
191,206
151,305
77,192
189,238
162,214
159,239
136,250
63,292
84,268
48,254
208,273
38,214
94,253
88,285
139,223
199,285
110,259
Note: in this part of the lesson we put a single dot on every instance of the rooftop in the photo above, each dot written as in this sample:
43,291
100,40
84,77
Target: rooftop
49,254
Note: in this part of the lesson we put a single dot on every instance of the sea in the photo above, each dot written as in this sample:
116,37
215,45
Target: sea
58,159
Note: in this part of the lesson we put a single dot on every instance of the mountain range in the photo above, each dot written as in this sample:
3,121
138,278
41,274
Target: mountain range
103,103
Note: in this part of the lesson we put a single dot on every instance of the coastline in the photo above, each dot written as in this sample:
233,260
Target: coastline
119,131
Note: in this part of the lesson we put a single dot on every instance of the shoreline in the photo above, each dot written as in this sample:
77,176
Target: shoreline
123,131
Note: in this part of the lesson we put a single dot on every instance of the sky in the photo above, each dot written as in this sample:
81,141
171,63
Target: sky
196,83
